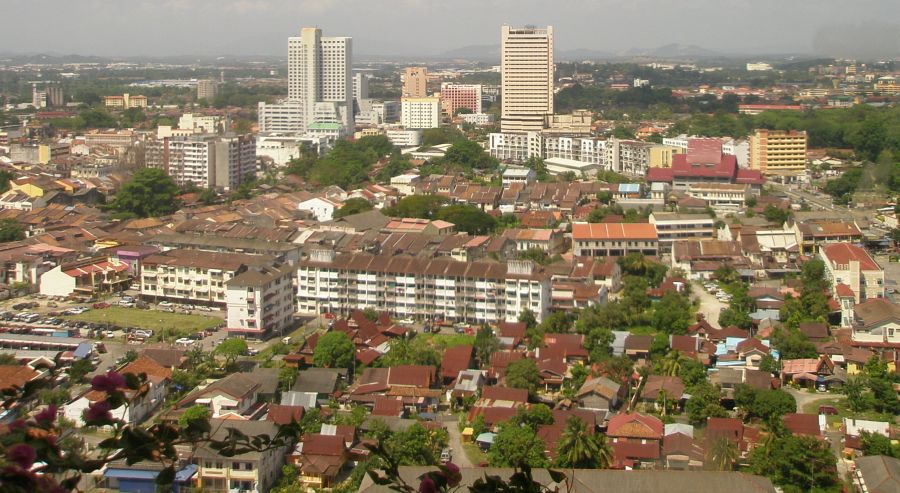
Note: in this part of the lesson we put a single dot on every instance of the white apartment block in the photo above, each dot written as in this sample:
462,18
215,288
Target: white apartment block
207,161
260,300
199,124
283,117
281,148
377,112
360,86
527,76
404,138
477,118
420,113
720,196
421,288
671,227
851,266
193,276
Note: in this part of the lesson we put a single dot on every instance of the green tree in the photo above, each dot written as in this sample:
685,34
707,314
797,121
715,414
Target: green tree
578,449
523,374
486,343
416,446
410,352
796,464
468,218
776,215
353,206
527,317
286,377
730,316
334,350
515,446
11,230
5,177
536,255
208,196
877,444
421,206
535,416
672,314
231,349
672,364
705,402
79,370
469,155
723,454
194,414
149,193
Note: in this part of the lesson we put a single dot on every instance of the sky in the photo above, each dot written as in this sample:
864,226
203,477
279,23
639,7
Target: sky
431,27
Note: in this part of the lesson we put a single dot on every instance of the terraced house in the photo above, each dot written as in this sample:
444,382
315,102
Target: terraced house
404,286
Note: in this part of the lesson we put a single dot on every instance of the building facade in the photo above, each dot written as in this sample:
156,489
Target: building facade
672,227
207,161
420,113
456,96
415,82
527,76
614,239
778,152
319,75
260,301
477,292
850,266
207,89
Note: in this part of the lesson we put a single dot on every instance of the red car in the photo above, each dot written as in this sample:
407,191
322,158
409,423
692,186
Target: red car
101,305
328,315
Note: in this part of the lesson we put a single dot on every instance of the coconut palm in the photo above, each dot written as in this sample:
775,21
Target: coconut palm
723,454
672,363
662,402
576,447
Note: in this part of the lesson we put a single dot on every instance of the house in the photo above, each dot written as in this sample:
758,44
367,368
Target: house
876,324
814,331
249,472
284,415
656,386
635,439
467,384
455,360
854,428
804,424
814,233
638,347
320,459
321,381
551,241
808,371
502,397
614,239
733,430
320,207
233,395
682,451
388,406
852,266
140,477
877,474
600,394
511,334
86,278
141,406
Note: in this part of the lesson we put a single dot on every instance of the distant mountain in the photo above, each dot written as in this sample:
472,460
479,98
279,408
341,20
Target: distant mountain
674,50
581,54
48,58
473,52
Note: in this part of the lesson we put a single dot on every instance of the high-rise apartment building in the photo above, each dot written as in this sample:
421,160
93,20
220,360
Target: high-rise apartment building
415,82
207,161
456,96
207,89
319,75
526,67
419,113
360,86
778,152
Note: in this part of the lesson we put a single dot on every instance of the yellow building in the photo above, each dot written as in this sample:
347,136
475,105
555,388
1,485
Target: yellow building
778,152
125,101
887,85
661,156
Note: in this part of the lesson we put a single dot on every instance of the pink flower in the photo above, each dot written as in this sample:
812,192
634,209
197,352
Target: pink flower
427,485
21,454
17,425
98,413
47,416
108,383
453,474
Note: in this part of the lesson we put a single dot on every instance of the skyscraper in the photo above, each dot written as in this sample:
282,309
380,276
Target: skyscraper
319,76
415,82
526,67
320,87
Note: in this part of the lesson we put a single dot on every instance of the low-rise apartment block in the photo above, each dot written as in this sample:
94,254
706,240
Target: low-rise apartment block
422,288
778,152
672,227
260,300
205,160
614,239
192,276
851,266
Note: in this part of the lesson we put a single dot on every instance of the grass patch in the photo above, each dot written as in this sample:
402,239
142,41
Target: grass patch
474,453
444,341
840,403
156,320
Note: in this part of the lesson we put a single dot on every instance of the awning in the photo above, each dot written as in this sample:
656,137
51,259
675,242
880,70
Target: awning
486,438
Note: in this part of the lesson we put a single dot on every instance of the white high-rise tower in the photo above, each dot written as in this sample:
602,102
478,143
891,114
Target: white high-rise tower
320,86
527,69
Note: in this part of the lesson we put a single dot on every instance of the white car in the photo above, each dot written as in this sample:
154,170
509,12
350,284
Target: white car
204,308
144,333
165,303
184,341
126,304
407,321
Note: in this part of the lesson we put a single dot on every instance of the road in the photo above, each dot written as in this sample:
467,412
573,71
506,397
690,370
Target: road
459,456
710,306
835,437
814,201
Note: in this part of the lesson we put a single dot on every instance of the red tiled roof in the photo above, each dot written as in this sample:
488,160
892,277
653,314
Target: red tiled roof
15,376
498,393
844,291
455,360
613,231
843,253
387,406
802,424
318,444
411,375
635,425
283,415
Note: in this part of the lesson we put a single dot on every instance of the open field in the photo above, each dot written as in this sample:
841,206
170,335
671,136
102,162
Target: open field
156,320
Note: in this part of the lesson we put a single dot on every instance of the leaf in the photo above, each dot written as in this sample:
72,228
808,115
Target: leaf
556,476
166,476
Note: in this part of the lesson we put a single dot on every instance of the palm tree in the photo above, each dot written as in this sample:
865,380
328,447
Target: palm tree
604,452
576,448
662,401
723,454
635,263
671,364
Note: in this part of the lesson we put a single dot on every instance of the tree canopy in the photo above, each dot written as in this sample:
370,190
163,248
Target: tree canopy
523,374
149,193
334,350
468,218
515,445
796,463
352,206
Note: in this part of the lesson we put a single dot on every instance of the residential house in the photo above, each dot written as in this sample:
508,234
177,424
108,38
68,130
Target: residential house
233,396
320,459
815,233
876,325
733,430
807,371
877,474
455,360
600,394
249,472
799,424
636,439
551,241
658,388
87,278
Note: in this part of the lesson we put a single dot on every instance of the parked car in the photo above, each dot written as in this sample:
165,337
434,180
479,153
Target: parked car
109,333
143,333
446,456
828,410
407,321
165,303
126,304
127,298
204,308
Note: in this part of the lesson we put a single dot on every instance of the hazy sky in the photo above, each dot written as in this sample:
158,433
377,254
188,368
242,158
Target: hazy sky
424,27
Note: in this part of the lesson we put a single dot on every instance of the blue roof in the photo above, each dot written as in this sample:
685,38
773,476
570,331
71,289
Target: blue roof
629,187
83,350
485,438
186,473
121,473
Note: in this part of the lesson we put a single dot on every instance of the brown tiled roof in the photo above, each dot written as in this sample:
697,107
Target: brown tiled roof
802,424
15,376
455,360
283,415
498,393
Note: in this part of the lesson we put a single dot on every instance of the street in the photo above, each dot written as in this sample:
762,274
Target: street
710,306
455,442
